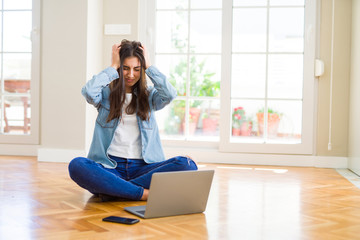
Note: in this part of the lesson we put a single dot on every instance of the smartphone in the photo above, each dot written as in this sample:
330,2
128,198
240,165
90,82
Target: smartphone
121,220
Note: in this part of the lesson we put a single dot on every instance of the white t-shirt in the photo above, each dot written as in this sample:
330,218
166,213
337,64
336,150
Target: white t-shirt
126,142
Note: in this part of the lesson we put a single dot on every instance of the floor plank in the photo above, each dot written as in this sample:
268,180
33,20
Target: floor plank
39,201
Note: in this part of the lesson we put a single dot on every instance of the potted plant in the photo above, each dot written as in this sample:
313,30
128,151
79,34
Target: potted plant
201,85
209,124
238,118
246,128
273,120
210,89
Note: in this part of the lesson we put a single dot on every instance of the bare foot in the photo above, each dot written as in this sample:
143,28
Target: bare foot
145,195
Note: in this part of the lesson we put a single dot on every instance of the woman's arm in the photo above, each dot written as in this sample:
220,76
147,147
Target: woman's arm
92,91
164,92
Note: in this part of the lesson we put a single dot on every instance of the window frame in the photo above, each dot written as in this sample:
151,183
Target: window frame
33,137
147,11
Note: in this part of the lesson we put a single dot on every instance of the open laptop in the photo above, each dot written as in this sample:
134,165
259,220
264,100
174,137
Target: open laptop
176,193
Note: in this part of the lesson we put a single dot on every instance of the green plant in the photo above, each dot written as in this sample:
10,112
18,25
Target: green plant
200,80
201,83
270,110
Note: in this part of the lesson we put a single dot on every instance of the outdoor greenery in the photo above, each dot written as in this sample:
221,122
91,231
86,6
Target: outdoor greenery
201,84
270,110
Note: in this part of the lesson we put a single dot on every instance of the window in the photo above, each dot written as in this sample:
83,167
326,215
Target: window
19,45
258,54
188,51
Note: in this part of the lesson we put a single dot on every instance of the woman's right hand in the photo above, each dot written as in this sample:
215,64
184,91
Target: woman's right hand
115,56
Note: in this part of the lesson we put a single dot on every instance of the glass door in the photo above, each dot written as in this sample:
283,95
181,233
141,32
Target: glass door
19,71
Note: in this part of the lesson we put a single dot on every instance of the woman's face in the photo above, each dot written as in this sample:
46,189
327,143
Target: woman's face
131,72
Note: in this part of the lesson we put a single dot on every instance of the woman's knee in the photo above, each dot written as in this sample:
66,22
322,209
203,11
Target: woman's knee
187,163
76,165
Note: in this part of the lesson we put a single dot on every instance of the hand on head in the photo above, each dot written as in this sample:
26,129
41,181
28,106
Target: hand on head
115,56
146,56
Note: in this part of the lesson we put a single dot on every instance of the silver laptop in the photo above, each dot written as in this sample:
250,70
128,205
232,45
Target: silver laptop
176,193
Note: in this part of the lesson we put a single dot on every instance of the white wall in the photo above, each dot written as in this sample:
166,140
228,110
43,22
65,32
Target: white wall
354,115
69,50
341,79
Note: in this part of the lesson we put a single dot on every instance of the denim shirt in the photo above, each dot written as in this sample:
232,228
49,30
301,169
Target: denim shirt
97,91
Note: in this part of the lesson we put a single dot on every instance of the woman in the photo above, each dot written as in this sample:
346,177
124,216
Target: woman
126,148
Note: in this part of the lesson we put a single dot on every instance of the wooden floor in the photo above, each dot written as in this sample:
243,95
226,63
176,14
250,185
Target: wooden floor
39,201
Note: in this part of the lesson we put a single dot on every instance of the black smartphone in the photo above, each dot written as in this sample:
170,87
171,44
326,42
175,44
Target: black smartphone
121,220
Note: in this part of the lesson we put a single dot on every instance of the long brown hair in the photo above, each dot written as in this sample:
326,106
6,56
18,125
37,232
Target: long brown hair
140,101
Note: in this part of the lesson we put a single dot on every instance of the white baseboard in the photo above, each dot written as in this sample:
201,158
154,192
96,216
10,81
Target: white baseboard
58,155
200,155
354,164
19,149
330,162
215,156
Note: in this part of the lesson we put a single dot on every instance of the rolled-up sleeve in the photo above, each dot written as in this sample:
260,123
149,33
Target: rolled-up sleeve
92,91
164,92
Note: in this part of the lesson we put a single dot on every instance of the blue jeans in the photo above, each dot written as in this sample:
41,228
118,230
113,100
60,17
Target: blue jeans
128,179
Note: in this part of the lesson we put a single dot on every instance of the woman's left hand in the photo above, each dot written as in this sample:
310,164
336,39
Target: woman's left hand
146,56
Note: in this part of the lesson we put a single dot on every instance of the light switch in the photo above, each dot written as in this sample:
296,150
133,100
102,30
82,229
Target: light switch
117,29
